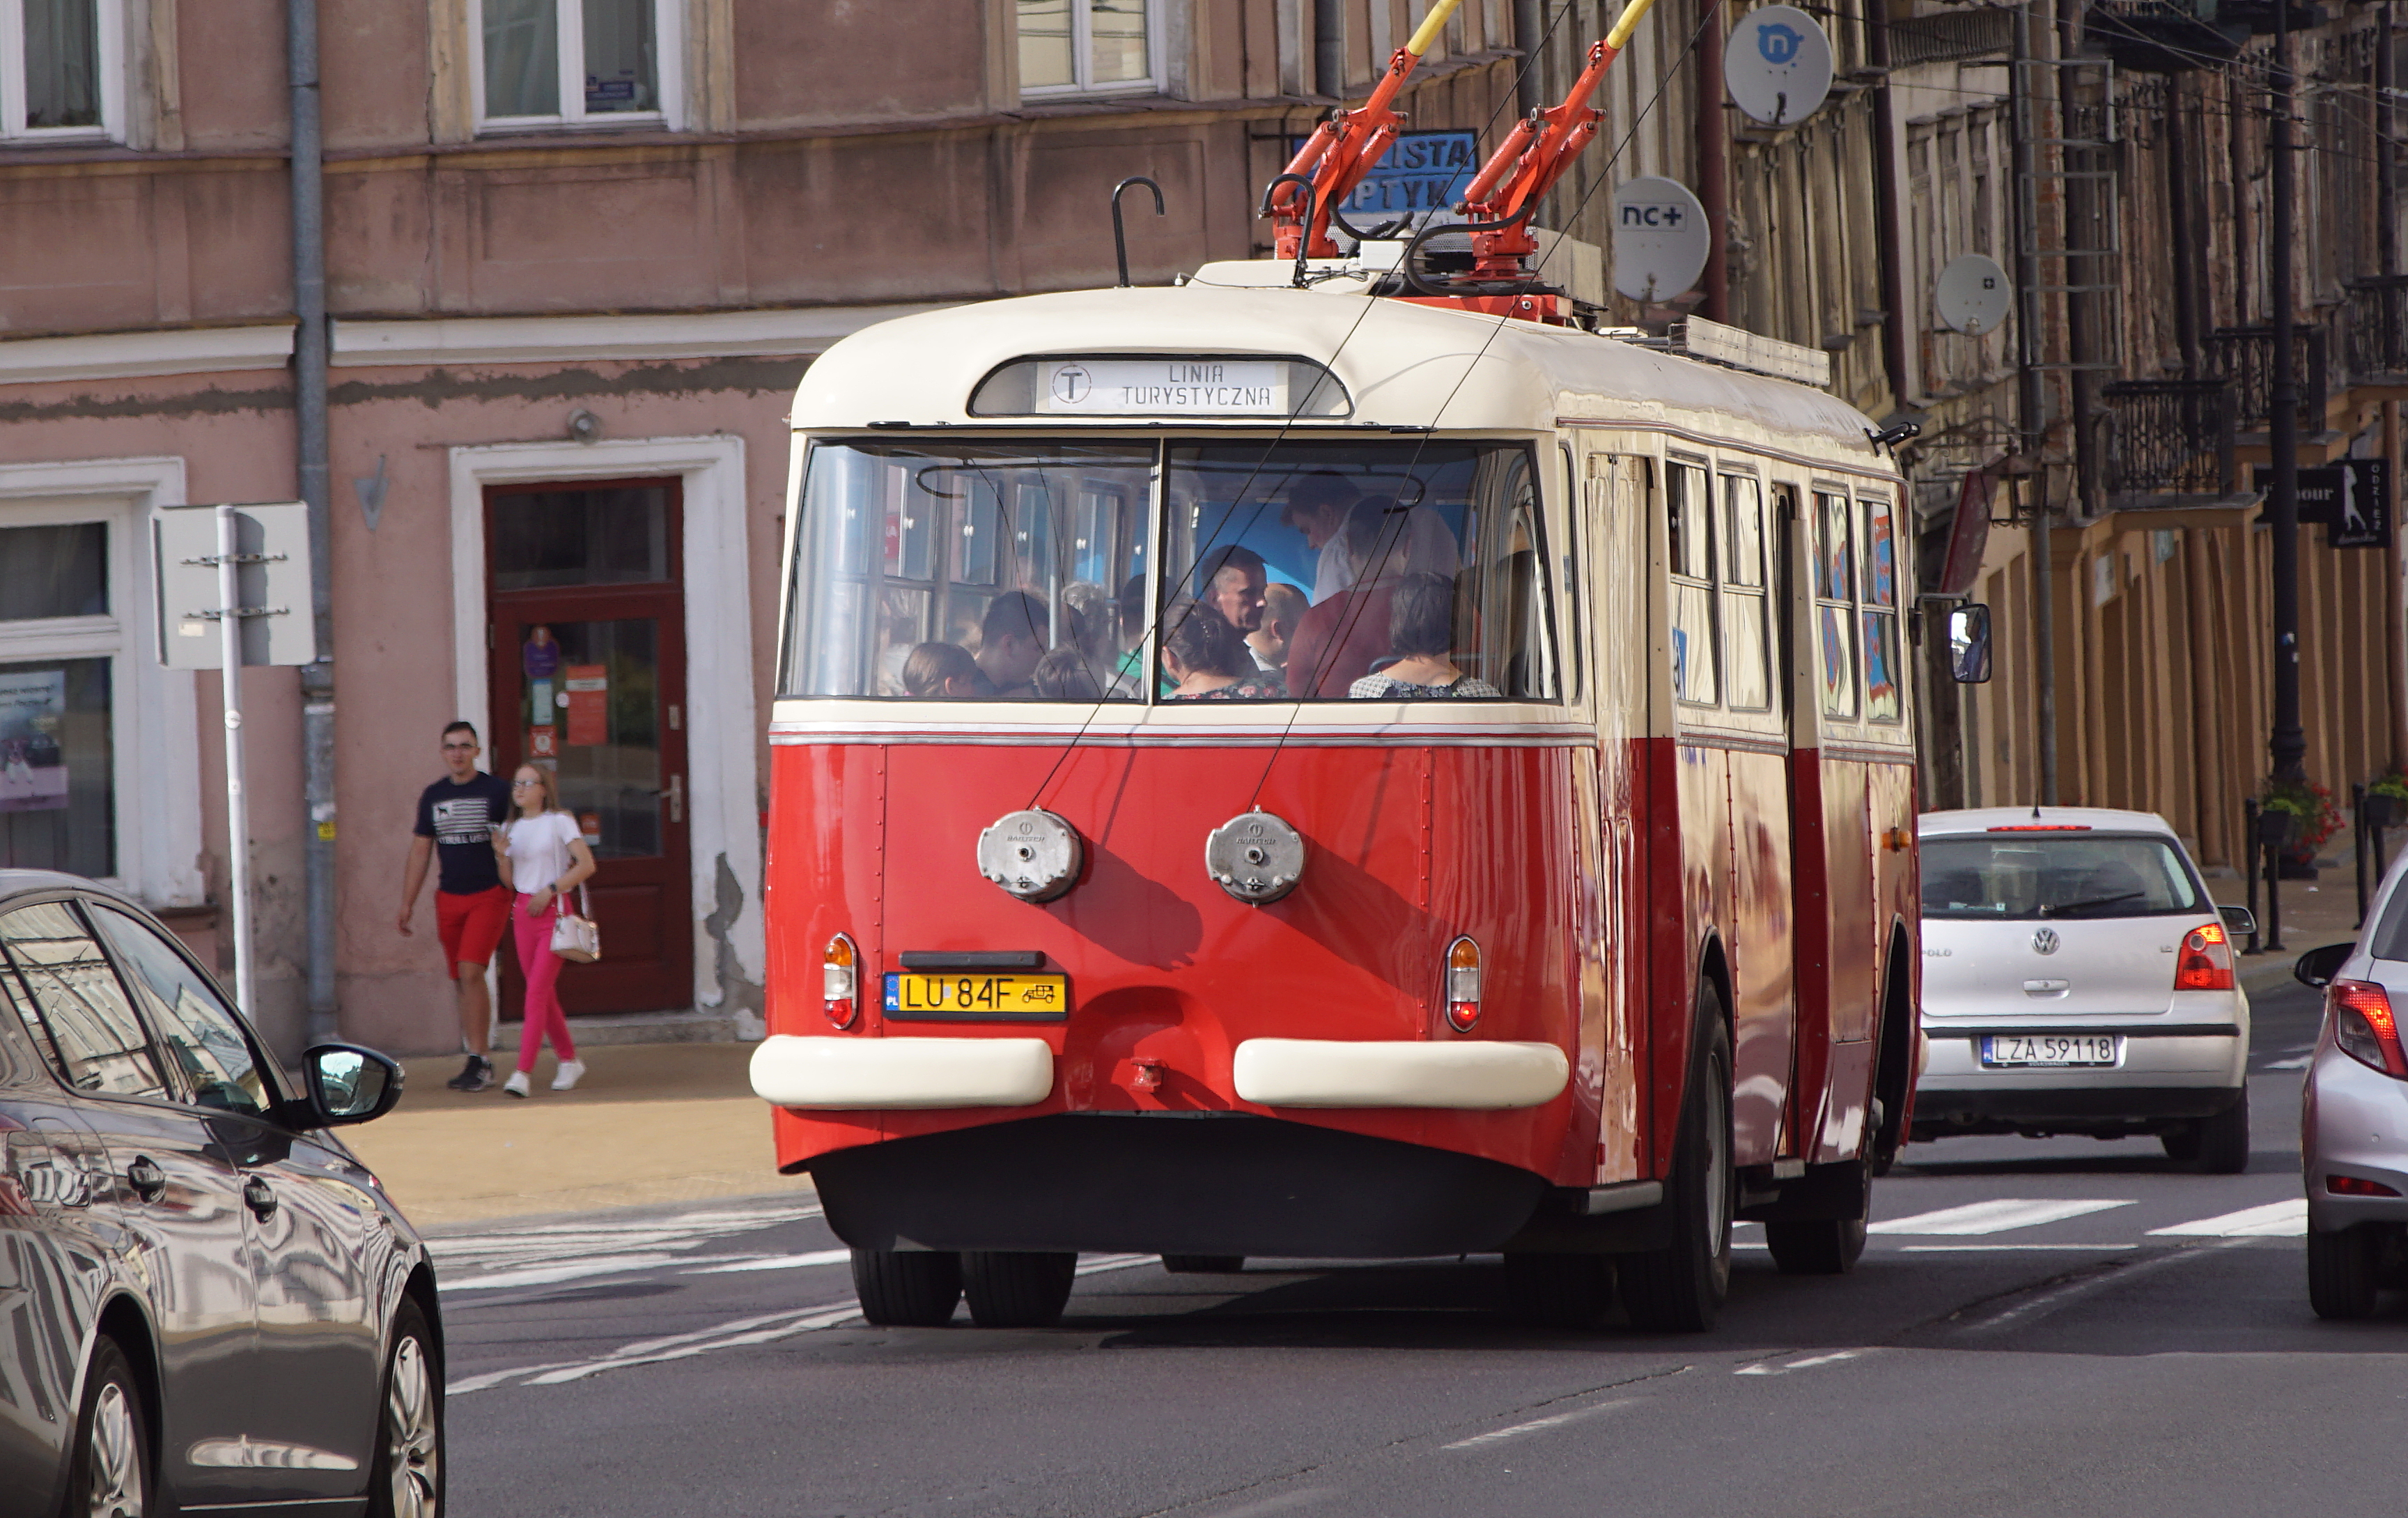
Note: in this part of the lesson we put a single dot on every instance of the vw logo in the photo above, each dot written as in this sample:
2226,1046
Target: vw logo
2044,941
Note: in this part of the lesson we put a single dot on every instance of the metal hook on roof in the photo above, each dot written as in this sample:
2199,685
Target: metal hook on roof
1120,238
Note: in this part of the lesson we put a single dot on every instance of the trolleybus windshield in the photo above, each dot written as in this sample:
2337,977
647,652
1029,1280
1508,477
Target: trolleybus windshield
928,569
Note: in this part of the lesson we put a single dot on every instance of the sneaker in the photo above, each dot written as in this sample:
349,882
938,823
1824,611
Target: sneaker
517,1084
474,1076
564,1079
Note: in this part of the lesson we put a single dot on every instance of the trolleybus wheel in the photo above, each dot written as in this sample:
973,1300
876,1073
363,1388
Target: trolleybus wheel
1203,1265
1009,1289
1558,1291
1680,1288
1824,1247
907,1288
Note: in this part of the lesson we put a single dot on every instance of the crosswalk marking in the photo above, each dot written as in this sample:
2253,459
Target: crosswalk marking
2275,1220
1996,1215
774,1262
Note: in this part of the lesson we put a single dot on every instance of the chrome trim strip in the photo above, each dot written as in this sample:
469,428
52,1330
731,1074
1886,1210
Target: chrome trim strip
1738,743
1385,735
1622,1196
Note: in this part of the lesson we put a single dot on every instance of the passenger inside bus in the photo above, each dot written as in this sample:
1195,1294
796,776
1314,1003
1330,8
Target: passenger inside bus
1323,503
1066,674
1338,640
1012,640
1421,635
1209,661
1284,607
1231,581
945,672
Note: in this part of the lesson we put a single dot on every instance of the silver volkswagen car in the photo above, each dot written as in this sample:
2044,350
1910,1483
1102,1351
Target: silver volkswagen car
2077,980
2354,1121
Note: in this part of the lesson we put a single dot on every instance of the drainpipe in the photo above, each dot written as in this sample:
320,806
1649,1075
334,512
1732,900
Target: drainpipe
1713,171
1329,48
310,466
1529,92
1903,387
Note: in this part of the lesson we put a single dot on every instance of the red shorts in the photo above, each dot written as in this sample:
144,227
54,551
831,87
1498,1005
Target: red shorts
471,926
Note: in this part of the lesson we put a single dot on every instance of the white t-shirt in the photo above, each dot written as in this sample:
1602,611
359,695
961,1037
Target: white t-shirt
538,848
1429,550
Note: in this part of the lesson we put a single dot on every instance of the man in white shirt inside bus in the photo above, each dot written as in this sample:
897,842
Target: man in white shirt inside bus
1317,507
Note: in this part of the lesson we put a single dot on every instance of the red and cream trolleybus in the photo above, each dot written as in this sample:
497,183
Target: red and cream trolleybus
1333,760
1591,933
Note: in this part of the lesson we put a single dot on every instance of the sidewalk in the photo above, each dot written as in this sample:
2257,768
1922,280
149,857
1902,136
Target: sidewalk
650,1123
2315,913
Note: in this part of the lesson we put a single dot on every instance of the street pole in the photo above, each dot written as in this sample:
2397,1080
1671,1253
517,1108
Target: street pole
2030,421
2289,742
310,471
237,804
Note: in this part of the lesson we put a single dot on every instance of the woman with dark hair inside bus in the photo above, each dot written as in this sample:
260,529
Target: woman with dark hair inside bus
1209,660
944,671
1421,633
1069,674
1338,640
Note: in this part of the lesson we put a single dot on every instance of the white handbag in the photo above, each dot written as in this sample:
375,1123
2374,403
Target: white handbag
574,937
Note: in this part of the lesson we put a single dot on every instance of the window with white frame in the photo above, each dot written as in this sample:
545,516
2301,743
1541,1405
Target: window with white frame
59,69
1083,46
576,63
60,639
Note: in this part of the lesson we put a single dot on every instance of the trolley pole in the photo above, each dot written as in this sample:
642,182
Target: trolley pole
2288,744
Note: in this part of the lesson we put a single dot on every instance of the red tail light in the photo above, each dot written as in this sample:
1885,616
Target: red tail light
840,981
2350,1185
2363,1026
1462,984
2206,960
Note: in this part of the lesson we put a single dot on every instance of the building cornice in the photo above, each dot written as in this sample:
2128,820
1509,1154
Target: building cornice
129,355
479,341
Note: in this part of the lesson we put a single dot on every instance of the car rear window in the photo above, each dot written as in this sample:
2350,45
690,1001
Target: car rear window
2020,877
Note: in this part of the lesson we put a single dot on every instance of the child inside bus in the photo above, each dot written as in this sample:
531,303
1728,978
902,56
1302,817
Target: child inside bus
1421,633
944,672
1066,675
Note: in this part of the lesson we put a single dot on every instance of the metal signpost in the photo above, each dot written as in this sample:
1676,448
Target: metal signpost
246,570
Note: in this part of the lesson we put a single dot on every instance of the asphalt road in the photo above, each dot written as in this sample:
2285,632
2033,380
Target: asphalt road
2039,1327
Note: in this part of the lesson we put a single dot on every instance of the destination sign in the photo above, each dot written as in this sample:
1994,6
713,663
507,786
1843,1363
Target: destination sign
1163,387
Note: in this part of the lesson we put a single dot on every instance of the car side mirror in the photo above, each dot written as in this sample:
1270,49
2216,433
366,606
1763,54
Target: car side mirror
2239,921
2317,966
1969,644
350,1084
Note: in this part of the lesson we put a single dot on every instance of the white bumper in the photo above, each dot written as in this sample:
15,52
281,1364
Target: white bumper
1331,1072
851,1074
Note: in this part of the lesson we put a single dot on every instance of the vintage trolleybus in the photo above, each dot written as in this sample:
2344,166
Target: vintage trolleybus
1274,770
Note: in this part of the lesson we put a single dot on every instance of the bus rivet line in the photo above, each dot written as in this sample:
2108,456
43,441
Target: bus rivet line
1033,854
1256,858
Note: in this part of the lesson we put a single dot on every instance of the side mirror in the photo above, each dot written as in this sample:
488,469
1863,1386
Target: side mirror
2317,966
2239,921
1969,644
350,1084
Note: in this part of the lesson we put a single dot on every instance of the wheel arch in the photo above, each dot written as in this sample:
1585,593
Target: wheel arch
1894,1058
125,1321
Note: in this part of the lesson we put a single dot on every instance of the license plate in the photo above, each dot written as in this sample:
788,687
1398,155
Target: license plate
2049,1049
975,996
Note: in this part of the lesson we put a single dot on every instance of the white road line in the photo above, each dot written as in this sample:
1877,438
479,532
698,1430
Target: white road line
549,1275
2049,1302
1097,1265
1996,1215
774,1262
2275,1220
1764,1367
1498,1435
2009,1249
2297,1062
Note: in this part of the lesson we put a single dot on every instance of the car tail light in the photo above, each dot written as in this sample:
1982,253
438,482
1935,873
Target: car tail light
1462,984
2364,1028
840,981
2206,960
2350,1185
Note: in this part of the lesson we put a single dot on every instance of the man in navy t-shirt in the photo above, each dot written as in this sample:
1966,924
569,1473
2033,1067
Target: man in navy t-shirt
456,818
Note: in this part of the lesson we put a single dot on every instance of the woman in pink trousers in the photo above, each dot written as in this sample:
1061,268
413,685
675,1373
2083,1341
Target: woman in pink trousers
543,857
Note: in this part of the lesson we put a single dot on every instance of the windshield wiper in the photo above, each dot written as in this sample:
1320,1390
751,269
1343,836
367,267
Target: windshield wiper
2064,906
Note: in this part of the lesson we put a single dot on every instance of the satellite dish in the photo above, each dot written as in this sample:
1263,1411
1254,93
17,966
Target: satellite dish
1660,240
1777,66
1972,296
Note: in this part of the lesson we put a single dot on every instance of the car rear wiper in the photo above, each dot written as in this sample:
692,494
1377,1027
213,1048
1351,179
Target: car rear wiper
2064,906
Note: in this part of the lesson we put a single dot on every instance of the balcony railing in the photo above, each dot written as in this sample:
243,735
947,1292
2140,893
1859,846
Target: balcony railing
2168,440
2246,356
2375,312
2161,37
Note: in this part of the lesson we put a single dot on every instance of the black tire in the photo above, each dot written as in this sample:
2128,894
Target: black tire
112,1471
2224,1139
1203,1265
2340,1271
407,1481
1825,1247
907,1288
1679,1289
2180,1144
1017,1290
1558,1291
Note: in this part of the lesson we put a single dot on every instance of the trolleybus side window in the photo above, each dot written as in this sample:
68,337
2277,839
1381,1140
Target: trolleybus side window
1834,597
1746,666
1345,527
1688,507
1878,594
987,571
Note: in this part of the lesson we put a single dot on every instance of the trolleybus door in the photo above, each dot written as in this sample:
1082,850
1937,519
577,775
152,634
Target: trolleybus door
1613,544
